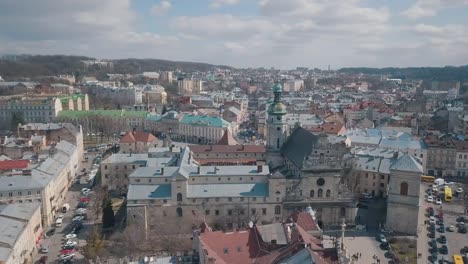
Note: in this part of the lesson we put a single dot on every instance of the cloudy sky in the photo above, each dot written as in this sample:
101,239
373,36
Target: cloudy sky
243,33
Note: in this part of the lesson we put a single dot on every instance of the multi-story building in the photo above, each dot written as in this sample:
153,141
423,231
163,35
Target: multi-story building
293,85
117,95
108,122
21,232
202,129
48,182
154,95
184,86
462,158
166,77
441,155
28,109
138,142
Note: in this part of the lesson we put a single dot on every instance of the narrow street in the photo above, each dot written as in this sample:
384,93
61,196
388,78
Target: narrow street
56,241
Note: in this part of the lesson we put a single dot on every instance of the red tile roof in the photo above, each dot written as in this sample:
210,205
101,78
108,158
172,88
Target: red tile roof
137,136
327,128
304,220
227,139
14,164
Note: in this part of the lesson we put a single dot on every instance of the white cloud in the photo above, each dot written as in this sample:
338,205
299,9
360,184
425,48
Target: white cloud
162,8
220,3
429,8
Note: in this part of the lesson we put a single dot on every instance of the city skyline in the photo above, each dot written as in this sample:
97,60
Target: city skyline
241,33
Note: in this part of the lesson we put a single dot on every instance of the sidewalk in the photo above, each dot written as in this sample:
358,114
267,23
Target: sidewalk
367,246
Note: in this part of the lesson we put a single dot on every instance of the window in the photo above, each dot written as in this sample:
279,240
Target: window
382,185
10,194
277,210
166,180
321,158
136,180
254,199
149,180
404,188
328,193
230,199
216,199
19,193
216,212
240,179
382,177
343,212
229,179
133,166
193,178
38,192
242,212
320,193
125,166
207,212
367,175
251,178
253,211
164,201
179,197
312,193
373,176
242,199
264,211
179,212
219,178
194,200
106,176
29,192
229,212
164,213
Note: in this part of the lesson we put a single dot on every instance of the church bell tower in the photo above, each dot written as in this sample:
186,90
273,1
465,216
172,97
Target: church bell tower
277,129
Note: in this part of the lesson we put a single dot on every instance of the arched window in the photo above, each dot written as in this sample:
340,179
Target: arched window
179,197
320,193
312,193
179,212
277,209
327,194
321,158
404,188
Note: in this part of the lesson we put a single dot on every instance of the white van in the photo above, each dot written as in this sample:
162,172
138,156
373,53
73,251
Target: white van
45,249
58,222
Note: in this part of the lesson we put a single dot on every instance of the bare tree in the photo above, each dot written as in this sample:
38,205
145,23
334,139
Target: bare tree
95,246
95,202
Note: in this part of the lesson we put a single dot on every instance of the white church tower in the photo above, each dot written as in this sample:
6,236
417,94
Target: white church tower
403,195
277,129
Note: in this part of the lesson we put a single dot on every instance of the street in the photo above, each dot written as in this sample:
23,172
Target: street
56,241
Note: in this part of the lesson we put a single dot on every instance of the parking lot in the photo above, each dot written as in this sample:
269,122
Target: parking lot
442,236
55,242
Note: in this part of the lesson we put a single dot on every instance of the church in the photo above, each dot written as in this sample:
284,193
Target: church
311,166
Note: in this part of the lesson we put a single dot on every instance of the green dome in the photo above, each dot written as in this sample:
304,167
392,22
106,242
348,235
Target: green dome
277,109
277,88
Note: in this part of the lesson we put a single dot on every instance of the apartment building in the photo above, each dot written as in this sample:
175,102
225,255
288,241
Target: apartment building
21,232
47,184
28,109
441,155
202,129
461,158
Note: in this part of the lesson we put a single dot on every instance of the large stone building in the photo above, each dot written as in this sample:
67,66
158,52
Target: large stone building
20,232
48,182
314,173
403,195
28,109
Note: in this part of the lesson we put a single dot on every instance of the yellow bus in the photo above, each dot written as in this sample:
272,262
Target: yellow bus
457,259
448,194
426,178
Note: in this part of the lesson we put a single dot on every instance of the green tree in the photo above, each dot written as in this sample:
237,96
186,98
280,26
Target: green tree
108,217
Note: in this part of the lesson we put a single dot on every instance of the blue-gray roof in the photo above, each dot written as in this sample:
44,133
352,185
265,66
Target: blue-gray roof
407,162
227,190
145,192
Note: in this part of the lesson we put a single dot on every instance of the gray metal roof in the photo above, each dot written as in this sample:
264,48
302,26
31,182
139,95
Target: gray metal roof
227,190
299,145
145,192
407,162
273,232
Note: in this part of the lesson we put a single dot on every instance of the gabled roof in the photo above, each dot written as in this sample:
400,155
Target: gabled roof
304,220
407,162
138,136
227,139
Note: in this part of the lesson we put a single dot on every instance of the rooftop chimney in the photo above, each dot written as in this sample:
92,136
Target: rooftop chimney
259,168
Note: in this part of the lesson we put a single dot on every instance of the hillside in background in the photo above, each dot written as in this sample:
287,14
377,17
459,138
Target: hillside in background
28,66
447,73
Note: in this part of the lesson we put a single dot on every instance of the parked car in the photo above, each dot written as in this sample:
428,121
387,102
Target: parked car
438,201
451,228
382,238
461,219
385,246
459,190
443,249
462,230
70,236
442,240
434,256
432,220
51,232
430,199
441,229
433,243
